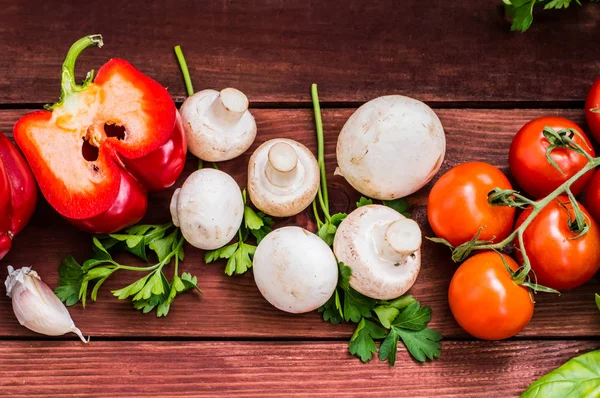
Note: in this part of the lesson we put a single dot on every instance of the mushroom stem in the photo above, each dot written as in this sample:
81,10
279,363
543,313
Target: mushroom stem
228,107
281,169
398,240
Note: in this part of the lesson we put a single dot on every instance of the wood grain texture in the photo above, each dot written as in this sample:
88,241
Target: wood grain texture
202,369
232,306
272,50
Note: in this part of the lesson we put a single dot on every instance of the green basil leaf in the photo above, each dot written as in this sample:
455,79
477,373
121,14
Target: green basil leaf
578,377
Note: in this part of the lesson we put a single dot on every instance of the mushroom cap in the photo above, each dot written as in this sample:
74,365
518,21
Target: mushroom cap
391,147
295,270
217,140
358,245
208,208
279,201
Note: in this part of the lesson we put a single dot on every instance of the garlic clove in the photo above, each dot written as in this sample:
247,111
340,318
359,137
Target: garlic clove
36,306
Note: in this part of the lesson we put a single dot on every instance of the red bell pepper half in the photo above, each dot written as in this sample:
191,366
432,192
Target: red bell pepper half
104,144
18,194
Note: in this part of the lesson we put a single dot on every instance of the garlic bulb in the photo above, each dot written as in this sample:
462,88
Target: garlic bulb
36,306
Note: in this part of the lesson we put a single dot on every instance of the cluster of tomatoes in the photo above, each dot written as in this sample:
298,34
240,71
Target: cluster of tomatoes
484,297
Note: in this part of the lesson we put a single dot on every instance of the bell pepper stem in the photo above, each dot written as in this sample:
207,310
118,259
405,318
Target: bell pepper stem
68,86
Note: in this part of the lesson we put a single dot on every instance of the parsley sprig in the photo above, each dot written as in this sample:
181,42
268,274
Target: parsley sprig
402,319
521,11
239,255
391,321
151,291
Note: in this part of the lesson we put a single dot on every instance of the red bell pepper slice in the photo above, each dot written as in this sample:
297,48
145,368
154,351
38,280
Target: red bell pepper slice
18,194
104,144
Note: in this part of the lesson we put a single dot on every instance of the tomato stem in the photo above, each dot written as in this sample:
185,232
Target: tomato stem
521,276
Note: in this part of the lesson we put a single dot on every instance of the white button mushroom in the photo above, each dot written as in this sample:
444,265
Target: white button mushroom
218,125
391,147
382,247
283,177
208,208
295,270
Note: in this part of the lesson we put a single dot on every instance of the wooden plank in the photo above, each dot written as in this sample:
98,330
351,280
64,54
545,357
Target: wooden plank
466,369
273,49
233,307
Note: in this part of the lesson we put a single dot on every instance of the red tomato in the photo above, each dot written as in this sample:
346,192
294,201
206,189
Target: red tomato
592,197
484,299
558,260
457,206
530,167
592,110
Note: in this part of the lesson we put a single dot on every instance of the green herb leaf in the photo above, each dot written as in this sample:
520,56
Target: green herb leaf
362,343
414,317
328,230
223,252
387,311
332,309
423,344
598,300
345,273
241,260
251,219
259,234
364,202
70,279
578,377
357,306
151,291
389,347
164,246
400,205
558,4
386,315
131,289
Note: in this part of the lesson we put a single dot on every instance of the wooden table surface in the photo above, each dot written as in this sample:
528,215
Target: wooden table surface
458,56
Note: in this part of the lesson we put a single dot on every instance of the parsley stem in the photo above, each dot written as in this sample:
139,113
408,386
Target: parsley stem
324,195
316,212
184,71
138,269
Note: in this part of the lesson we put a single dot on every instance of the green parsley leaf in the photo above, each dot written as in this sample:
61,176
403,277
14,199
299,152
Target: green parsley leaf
164,246
332,309
386,315
131,289
389,347
267,227
251,219
357,306
241,260
364,202
387,311
151,291
344,276
328,230
558,4
598,300
362,343
521,11
423,344
400,205
70,279
414,317
221,253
